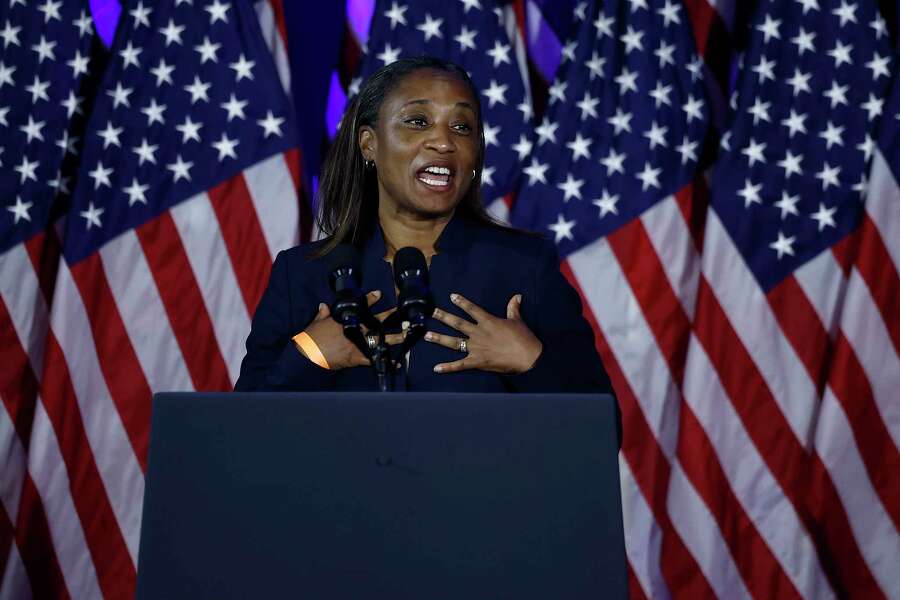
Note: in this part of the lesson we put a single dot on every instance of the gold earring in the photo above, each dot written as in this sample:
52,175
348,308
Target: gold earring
473,174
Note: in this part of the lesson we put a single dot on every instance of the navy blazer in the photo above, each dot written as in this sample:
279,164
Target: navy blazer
486,264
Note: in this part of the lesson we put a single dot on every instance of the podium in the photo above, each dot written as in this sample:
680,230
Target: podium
396,496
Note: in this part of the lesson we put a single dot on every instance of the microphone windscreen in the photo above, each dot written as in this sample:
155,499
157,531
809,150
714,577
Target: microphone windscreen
344,258
409,259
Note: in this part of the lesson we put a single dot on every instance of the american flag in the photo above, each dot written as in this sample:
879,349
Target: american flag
186,190
480,36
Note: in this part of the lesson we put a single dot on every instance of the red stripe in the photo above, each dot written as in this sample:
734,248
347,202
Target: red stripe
765,424
36,546
693,201
712,39
649,466
294,160
18,384
878,270
183,302
120,366
244,239
845,252
109,553
280,22
44,250
635,591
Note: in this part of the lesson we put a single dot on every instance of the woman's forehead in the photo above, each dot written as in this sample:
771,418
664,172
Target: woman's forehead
428,86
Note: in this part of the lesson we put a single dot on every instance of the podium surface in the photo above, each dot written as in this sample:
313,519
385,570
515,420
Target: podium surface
365,495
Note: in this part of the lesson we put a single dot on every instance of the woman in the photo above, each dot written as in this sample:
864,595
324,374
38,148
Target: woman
404,171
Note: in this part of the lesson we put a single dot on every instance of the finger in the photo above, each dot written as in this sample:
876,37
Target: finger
448,341
452,367
385,313
513,307
323,313
394,339
373,296
478,313
457,323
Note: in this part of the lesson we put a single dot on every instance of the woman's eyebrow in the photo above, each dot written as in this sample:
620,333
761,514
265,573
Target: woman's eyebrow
461,103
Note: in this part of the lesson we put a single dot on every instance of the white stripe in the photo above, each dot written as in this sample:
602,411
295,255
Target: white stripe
765,503
671,238
823,282
24,300
144,314
275,200
198,227
14,579
867,334
749,313
275,42
47,469
643,537
875,534
700,532
499,210
13,459
725,9
511,25
883,205
113,453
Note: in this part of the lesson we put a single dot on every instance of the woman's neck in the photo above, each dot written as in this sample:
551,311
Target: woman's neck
401,230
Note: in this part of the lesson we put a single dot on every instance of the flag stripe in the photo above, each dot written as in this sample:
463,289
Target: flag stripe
880,275
823,283
277,217
643,538
13,579
275,40
883,204
184,304
18,384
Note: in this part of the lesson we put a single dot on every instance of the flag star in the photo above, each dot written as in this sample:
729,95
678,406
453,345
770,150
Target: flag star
656,135
536,171
606,203
783,245
580,10
693,108
38,89
67,144
140,15
79,64
562,229
809,5
568,51
396,14
621,121
595,65
636,4
867,147
788,204
824,216
791,164
92,216
669,13
627,80
163,72
72,104
466,39
500,53
189,130
496,93
546,131
523,147
769,29
604,26
687,150
136,192
4,110
632,40
6,75
83,23
580,147
862,186
754,152
26,170
750,193
695,67
12,3
10,35
557,91
765,69
389,55
271,124
799,82
120,95
100,175
145,152
649,177
832,135
20,210
879,66
172,33
154,112
840,53
130,56
234,107
588,106
726,141
467,4
207,50
759,110
50,10
243,68
490,135
614,162
804,41
197,90
44,50
487,175
571,187
829,176
431,27
846,13
527,110
665,53
226,147
660,94
353,88
837,94
32,130
180,169
795,122
218,11
879,26
110,135
873,106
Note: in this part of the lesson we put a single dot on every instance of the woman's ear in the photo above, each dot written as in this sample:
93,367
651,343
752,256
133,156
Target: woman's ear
367,142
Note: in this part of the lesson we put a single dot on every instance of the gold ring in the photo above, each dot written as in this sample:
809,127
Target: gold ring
372,341
463,346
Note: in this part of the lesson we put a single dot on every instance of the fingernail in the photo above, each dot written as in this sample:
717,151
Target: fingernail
454,297
429,336
321,305
377,293
519,298
438,368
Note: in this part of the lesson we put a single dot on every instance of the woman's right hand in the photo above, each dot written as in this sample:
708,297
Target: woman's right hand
328,335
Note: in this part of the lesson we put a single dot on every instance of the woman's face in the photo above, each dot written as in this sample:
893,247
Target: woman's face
425,145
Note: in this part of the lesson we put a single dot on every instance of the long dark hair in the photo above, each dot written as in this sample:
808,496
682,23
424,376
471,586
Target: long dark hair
348,191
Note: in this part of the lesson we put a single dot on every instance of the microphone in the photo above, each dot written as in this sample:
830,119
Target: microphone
415,302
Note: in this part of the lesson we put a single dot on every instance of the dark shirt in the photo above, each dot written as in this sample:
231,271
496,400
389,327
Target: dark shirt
486,264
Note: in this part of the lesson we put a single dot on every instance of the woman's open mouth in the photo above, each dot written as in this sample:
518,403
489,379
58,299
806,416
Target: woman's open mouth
435,177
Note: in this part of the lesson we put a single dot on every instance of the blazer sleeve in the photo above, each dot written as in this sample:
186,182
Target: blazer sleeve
272,361
569,361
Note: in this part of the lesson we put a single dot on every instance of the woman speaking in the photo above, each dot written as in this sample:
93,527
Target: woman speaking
404,171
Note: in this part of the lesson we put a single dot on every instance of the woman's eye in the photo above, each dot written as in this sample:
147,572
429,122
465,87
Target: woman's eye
463,127
417,121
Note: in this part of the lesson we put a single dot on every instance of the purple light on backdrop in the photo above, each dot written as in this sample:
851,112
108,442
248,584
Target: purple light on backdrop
543,45
337,102
359,13
106,17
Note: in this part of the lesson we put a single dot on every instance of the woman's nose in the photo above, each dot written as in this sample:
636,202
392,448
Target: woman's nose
440,141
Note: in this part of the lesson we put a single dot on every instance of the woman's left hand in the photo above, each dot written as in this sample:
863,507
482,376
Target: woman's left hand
491,343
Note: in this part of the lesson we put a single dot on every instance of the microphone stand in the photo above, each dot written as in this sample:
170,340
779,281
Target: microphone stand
379,355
